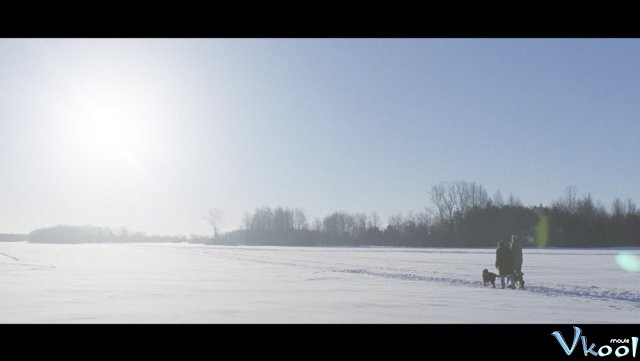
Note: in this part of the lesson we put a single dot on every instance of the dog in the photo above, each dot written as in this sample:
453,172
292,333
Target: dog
519,279
489,277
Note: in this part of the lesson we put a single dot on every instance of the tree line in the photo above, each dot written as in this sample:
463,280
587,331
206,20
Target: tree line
460,214
12,237
93,234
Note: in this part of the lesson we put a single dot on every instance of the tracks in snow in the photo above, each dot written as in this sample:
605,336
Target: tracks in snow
34,267
12,257
549,290
554,290
543,289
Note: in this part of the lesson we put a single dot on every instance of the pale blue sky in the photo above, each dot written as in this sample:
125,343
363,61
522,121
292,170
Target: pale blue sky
358,125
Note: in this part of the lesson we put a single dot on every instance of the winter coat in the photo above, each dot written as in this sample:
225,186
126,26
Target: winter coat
516,253
504,261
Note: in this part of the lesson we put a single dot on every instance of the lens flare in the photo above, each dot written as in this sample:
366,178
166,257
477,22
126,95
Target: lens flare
542,232
628,262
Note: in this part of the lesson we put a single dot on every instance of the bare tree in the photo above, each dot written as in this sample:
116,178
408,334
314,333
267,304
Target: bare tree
374,221
299,219
586,206
214,218
317,224
262,219
457,198
571,199
247,221
478,196
498,201
450,200
359,223
395,221
461,195
467,195
423,218
514,201
282,218
437,195
618,209
339,224
631,207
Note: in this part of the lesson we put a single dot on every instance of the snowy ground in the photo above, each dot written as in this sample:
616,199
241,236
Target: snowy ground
186,283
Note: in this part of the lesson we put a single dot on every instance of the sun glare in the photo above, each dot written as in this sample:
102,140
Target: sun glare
106,126
106,133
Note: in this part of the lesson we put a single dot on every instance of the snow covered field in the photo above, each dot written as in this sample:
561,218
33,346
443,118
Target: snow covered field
187,283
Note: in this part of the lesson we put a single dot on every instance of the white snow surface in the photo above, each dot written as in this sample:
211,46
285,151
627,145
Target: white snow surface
189,283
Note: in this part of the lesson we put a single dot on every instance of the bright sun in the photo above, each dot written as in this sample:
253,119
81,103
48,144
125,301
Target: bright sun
106,132
105,126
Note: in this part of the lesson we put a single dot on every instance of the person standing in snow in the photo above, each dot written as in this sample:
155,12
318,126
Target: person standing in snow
516,253
504,264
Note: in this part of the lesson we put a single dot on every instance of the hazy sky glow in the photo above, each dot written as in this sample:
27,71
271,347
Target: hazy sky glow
150,134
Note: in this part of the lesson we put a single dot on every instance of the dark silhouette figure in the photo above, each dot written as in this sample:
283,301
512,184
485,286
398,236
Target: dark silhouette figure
516,252
504,264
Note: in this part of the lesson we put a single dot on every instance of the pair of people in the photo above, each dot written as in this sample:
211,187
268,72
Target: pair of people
509,261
